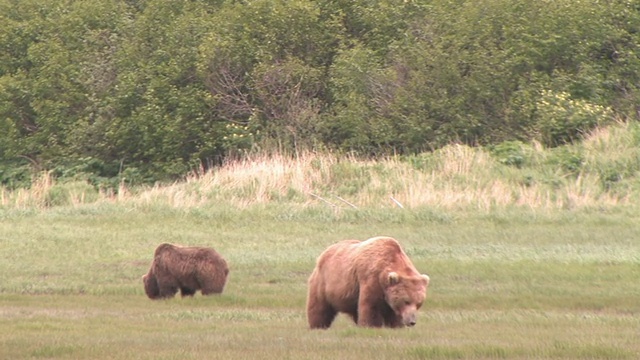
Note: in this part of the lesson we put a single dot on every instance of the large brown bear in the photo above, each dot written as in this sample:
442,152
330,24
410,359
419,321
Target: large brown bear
373,281
186,269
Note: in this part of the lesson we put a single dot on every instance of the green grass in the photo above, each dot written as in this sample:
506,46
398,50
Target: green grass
506,284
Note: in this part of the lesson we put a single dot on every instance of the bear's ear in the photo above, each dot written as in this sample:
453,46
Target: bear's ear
394,278
426,278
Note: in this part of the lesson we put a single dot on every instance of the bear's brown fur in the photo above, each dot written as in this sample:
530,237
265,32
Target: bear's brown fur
186,269
372,281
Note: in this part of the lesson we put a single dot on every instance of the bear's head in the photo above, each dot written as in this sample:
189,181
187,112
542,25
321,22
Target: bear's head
151,285
405,295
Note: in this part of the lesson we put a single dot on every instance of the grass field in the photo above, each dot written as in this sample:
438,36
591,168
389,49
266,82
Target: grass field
506,284
533,253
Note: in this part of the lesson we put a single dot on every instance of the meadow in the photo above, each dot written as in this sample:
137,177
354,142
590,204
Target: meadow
525,261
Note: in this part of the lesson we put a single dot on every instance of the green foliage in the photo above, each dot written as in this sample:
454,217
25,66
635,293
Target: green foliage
263,65
99,174
563,120
69,193
163,87
512,153
15,175
286,96
568,160
355,125
162,122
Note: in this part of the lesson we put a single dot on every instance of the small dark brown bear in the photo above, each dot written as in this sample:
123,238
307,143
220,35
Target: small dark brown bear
372,281
187,269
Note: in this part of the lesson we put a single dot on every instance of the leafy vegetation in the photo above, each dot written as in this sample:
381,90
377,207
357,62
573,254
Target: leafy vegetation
140,91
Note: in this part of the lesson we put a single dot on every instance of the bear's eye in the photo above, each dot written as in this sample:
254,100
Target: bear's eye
407,302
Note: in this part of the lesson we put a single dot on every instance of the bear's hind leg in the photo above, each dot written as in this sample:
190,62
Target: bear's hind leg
320,315
354,316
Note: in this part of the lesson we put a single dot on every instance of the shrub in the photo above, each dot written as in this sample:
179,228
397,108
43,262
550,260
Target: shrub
561,119
567,159
512,153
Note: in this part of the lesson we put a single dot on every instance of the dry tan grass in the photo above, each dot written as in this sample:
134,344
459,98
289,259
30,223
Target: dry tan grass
460,177
463,181
35,197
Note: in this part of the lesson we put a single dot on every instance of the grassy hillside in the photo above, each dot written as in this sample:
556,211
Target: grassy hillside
600,173
528,257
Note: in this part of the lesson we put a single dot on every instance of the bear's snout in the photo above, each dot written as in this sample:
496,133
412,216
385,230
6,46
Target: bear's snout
410,319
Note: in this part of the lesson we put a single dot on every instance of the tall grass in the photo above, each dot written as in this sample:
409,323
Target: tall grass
601,172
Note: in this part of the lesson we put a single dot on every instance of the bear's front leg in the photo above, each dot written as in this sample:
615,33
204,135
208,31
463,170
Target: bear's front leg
185,291
167,291
369,314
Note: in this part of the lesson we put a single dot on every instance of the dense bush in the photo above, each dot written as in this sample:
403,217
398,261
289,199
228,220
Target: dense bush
158,88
